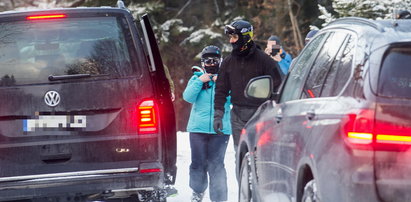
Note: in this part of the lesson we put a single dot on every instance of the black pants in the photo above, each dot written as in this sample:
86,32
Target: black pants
239,117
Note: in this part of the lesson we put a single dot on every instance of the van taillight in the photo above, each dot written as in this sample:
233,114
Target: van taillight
364,131
44,17
147,119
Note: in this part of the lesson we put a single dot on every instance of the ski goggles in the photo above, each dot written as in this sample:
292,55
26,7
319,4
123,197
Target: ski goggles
211,61
228,29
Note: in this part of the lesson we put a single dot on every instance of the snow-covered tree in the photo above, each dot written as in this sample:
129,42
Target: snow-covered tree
373,9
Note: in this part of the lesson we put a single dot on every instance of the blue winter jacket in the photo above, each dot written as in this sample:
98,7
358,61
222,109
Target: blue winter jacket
202,110
285,63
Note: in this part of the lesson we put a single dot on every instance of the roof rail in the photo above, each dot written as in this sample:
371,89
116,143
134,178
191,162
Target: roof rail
358,20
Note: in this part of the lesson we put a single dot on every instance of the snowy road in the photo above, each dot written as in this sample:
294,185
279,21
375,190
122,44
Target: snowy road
183,163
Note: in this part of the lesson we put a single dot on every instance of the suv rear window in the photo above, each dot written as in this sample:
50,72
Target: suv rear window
32,50
395,74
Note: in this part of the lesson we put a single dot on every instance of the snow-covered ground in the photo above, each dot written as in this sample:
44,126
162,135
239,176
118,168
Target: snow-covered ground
183,163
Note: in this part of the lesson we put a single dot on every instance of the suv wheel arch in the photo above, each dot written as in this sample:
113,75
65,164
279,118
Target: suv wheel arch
304,176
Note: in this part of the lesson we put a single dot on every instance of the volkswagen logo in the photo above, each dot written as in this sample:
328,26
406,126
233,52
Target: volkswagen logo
52,98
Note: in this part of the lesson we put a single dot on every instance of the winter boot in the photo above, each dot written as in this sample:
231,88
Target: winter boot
170,190
197,197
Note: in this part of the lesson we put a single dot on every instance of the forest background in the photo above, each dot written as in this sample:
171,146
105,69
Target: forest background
185,27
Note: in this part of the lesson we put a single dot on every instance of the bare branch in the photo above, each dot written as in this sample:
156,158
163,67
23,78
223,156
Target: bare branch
216,7
296,29
77,3
182,9
13,5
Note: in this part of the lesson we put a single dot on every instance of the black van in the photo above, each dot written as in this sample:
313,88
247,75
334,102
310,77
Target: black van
85,107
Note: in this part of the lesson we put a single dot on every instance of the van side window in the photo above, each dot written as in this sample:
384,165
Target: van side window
321,66
340,70
292,86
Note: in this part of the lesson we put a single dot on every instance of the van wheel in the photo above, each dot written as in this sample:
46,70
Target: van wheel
311,192
245,192
151,196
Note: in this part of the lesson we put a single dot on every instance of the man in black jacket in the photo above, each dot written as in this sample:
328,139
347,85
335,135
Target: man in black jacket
245,62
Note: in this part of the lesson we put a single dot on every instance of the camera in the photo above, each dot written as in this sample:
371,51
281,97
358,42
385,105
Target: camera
275,49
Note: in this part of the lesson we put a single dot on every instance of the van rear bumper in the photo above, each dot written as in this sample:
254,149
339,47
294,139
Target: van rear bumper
80,184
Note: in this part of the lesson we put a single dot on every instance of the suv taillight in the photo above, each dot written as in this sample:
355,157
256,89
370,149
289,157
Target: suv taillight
147,119
363,131
392,136
358,130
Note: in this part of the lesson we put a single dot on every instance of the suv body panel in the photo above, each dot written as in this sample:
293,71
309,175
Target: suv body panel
294,141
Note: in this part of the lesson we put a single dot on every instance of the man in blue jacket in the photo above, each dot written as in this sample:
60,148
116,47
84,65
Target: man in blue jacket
207,147
275,50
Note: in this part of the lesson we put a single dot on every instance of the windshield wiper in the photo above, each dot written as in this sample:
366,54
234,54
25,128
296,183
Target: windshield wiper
69,76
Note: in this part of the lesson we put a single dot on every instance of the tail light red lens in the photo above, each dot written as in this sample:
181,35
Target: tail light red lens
359,129
388,133
44,17
364,131
147,119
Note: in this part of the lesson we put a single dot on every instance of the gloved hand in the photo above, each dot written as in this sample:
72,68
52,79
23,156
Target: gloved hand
218,122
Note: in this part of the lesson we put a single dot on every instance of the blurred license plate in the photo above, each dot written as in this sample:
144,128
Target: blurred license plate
60,122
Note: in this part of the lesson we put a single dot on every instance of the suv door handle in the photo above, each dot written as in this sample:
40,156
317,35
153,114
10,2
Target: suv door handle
278,118
310,115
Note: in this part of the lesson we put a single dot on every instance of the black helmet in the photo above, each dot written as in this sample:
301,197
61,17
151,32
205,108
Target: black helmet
240,27
244,30
210,59
210,51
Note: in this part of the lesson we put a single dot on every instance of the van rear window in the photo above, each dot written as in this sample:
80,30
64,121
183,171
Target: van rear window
395,74
32,50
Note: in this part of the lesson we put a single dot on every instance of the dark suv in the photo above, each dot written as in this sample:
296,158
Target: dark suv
85,107
339,129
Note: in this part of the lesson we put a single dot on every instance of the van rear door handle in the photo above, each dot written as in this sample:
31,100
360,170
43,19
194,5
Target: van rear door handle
310,115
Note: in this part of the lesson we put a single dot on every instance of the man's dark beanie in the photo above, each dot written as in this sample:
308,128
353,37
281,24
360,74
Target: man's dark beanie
404,14
275,38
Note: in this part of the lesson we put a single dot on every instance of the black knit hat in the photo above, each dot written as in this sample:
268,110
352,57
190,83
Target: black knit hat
274,38
404,14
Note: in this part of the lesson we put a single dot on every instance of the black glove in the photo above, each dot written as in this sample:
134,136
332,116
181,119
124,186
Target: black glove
218,122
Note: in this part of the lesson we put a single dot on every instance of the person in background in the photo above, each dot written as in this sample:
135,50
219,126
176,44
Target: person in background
245,62
403,14
207,147
310,35
277,52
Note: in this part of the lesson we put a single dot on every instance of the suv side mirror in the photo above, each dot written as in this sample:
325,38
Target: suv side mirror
260,87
